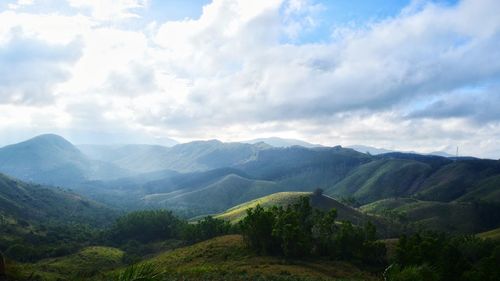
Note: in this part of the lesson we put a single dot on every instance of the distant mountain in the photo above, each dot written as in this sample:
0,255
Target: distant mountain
280,142
50,159
215,197
140,158
20,200
187,157
369,149
376,151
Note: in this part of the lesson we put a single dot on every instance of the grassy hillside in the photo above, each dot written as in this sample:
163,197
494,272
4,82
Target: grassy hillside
216,197
227,258
89,262
382,179
428,178
458,217
286,198
50,159
30,202
457,179
492,234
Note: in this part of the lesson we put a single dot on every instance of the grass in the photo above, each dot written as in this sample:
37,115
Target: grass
227,258
492,234
237,213
456,217
88,262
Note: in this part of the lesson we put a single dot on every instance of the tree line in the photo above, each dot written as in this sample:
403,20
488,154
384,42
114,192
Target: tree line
298,231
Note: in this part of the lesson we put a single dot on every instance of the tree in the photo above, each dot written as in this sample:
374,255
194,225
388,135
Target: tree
318,192
257,228
2,265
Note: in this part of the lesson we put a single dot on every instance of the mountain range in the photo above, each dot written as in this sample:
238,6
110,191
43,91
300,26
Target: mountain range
209,177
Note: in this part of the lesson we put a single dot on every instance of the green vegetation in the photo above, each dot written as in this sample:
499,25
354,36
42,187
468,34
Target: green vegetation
457,217
382,179
228,258
300,231
492,234
437,256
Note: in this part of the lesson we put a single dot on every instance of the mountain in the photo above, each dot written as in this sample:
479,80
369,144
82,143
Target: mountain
50,159
29,202
215,197
377,151
382,178
429,178
280,142
140,158
186,158
369,149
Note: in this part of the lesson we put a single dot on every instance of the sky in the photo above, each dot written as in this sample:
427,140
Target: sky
417,75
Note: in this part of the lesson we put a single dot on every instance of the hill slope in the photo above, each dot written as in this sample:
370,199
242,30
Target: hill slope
30,202
383,179
50,159
458,217
321,202
227,258
429,178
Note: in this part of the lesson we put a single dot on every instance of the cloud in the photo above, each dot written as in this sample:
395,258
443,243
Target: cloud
241,70
30,68
110,9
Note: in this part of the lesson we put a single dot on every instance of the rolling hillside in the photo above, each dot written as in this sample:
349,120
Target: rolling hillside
186,158
30,202
429,178
457,217
321,202
230,190
227,258
383,178
50,159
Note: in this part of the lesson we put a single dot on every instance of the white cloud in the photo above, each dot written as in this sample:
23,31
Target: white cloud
110,9
234,74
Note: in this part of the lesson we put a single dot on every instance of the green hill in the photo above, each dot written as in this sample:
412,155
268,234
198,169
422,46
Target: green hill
227,258
30,202
286,198
89,262
382,179
215,197
428,178
457,217
50,159
492,234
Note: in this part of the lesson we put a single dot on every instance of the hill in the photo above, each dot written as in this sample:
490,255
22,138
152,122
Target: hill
492,234
86,263
429,178
382,178
227,257
50,159
140,158
215,197
186,158
321,202
281,142
457,217
29,202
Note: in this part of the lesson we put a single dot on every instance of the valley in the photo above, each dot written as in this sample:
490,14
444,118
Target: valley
63,204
